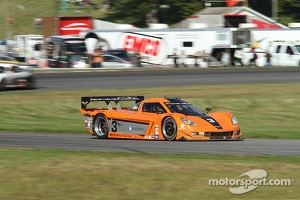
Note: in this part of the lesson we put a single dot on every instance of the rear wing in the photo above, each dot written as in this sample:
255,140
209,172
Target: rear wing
86,100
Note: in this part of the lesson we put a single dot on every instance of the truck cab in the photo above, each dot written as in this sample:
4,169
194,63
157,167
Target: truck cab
285,53
28,47
66,52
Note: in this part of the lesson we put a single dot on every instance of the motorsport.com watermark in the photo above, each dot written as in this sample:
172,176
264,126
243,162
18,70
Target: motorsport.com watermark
257,177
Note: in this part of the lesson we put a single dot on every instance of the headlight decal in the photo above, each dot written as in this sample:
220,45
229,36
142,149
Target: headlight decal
188,122
211,120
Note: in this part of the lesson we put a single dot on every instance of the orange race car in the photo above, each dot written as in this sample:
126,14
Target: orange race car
157,119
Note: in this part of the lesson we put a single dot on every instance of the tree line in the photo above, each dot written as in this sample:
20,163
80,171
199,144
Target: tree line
140,13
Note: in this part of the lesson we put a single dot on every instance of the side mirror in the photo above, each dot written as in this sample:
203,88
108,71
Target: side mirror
208,110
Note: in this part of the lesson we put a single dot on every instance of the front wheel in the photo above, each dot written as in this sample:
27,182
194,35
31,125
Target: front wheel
169,129
101,127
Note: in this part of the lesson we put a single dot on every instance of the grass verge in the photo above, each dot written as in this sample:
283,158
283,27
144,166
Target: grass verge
62,175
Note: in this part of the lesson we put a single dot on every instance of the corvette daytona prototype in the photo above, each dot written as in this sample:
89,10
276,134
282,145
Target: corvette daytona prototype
156,119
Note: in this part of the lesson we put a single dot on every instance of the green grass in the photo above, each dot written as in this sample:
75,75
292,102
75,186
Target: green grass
263,110
62,175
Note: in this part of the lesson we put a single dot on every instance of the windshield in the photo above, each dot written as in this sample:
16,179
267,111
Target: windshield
298,48
76,48
119,53
184,108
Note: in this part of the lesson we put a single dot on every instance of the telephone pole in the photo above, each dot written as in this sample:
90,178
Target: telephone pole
275,9
6,16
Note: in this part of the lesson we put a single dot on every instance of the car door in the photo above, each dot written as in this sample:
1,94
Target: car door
288,57
275,60
19,76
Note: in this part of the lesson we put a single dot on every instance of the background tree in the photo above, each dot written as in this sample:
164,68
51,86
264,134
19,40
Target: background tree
289,11
139,13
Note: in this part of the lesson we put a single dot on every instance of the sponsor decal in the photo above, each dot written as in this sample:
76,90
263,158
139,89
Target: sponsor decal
151,48
75,26
156,129
68,26
115,134
212,121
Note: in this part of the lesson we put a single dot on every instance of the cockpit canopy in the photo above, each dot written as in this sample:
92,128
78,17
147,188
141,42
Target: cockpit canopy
174,105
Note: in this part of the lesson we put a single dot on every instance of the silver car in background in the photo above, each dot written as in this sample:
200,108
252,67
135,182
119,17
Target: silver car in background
111,61
16,76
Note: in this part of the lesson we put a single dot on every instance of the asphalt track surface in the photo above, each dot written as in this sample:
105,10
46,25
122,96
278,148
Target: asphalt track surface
90,143
103,79
156,78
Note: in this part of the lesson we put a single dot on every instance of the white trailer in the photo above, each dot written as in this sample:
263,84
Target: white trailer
157,45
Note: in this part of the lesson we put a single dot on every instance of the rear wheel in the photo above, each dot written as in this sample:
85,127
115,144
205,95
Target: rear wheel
169,128
2,85
101,127
31,83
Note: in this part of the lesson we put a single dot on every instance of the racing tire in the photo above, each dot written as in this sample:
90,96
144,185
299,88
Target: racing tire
101,126
31,83
169,129
3,85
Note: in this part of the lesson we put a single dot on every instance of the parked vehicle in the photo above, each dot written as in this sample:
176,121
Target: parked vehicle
77,61
111,61
65,51
121,53
285,53
283,45
8,59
